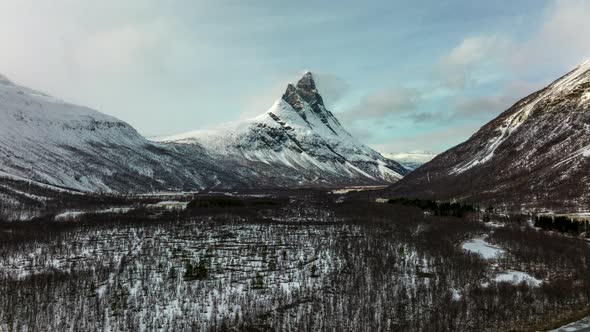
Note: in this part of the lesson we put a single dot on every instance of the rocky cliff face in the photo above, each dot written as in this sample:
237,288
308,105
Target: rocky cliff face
536,153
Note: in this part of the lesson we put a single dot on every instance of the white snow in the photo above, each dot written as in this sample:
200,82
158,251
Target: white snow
505,130
584,152
581,325
43,138
68,215
516,277
170,205
73,215
347,190
480,246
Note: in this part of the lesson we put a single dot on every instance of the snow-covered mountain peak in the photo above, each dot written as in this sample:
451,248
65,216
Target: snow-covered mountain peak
580,75
307,89
305,99
300,135
307,83
585,66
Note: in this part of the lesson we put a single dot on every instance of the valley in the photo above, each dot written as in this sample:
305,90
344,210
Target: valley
292,217
287,259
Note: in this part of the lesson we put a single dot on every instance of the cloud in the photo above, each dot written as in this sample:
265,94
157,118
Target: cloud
393,101
457,69
557,44
115,49
435,140
470,51
487,74
482,76
331,87
484,107
561,40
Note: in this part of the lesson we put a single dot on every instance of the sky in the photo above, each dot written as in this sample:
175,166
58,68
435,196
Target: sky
401,76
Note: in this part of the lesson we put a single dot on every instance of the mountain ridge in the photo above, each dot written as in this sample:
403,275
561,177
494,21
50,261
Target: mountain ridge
533,155
50,141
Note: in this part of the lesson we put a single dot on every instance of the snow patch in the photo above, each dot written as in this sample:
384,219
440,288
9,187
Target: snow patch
581,325
74,215
483,248
516,277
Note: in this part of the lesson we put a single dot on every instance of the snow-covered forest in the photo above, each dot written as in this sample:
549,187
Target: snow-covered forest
300,260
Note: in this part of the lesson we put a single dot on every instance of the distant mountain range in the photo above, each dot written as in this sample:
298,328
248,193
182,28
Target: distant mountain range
411,160
298,142
534,155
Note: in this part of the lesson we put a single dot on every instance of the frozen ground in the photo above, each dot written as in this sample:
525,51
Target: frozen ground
480,246
582,325
298,262
488,251
516,277
355,189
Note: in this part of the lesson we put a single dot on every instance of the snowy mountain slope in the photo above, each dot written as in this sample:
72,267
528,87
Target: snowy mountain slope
534,154
411,160
53,142
299,139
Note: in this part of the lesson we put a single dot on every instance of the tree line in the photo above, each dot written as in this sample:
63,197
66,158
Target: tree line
443,209
562,224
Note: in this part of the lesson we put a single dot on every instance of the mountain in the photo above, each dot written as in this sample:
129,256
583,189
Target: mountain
535,154
57,143
300,141
411,160
296,143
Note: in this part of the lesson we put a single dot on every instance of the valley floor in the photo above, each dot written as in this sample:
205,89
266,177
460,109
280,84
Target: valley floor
289,260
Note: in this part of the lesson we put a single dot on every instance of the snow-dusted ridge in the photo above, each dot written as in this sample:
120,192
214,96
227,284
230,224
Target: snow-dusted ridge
557,89
53,142
535,155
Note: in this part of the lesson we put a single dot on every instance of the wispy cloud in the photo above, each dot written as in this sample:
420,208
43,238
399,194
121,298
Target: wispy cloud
459,68
393,101
434,140
560,41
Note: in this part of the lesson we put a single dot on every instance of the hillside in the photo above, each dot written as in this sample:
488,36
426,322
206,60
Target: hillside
535,154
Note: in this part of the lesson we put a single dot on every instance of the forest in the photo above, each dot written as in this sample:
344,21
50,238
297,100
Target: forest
293,260
562,224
